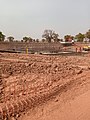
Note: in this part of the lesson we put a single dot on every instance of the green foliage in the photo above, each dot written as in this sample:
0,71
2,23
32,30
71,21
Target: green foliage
2,36
80,37
27,39
68,38
10,38
88,34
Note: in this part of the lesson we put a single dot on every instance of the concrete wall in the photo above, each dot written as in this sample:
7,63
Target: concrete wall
35,47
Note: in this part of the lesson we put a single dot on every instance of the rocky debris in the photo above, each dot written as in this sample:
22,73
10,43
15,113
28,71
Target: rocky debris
39,76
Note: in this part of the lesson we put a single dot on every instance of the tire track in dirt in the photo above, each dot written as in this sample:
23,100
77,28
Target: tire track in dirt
45,76
40,97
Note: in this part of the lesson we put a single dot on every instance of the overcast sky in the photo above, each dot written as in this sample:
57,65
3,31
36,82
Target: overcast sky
21,18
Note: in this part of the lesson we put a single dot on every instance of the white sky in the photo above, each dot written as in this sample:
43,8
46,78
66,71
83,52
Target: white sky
21,18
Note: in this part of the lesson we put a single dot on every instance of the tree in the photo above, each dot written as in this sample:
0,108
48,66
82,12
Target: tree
68,38
30,39
10,38
43,40
27,39
21,40
80,37
2,36
37,40
33,40
50,35
88,34
55,37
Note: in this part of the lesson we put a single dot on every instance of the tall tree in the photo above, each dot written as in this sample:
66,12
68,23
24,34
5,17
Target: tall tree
50,35
88,34
2,36
80,37
55,37
10,38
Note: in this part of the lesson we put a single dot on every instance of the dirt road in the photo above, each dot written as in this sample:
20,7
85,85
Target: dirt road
77,109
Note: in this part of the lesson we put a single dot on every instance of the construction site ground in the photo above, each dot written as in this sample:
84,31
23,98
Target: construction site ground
55,87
